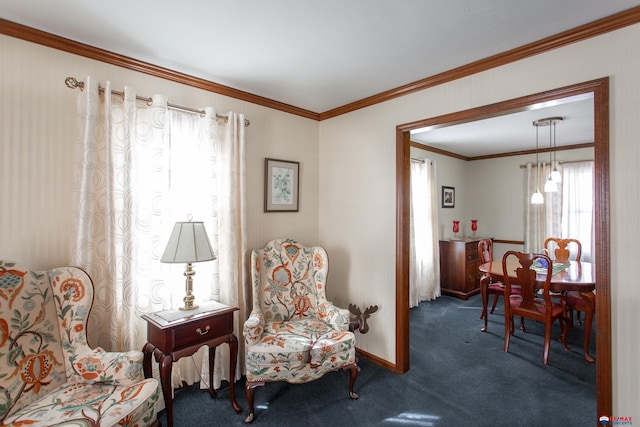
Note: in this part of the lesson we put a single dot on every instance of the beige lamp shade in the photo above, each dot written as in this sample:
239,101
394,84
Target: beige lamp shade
188,243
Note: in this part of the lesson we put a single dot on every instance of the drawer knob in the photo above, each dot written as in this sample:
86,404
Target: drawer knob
205,332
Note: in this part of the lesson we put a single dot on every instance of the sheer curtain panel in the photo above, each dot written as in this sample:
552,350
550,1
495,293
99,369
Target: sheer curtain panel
540,221
578,204
424,263
139,170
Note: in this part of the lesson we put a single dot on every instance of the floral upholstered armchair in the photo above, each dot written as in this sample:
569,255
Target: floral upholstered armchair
293,333
48,373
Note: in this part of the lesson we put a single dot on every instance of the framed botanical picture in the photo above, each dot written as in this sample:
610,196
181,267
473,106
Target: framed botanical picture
448,197
281,185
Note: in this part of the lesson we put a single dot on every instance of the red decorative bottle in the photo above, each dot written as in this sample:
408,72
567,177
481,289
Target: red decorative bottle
456,228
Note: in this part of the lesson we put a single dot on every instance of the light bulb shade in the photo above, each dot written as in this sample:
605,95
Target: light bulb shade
556,176
537,198
188,243
550,186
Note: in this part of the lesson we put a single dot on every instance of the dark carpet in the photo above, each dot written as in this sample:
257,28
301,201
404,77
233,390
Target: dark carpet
459,376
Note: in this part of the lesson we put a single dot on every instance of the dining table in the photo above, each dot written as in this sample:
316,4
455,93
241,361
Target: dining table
578,276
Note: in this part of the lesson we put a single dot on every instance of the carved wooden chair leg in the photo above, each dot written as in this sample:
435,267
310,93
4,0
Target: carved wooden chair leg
353,374
495,301
250,389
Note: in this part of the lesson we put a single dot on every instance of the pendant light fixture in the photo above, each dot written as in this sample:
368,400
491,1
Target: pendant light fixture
550,185
555,174
536,198
554,177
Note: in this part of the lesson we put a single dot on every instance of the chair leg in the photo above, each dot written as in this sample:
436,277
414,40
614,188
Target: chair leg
353,374
495,301
484,293
547,343
250,389
565,325
507,332
484,283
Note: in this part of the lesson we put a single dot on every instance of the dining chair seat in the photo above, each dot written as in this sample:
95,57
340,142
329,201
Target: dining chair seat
577,303
556,308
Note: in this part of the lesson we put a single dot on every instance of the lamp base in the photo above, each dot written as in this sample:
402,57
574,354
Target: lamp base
189,298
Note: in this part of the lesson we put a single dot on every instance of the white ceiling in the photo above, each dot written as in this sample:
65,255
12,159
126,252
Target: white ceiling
321,55
315,55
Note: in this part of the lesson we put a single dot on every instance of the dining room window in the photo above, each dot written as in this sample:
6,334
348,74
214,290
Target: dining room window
577,217
566,213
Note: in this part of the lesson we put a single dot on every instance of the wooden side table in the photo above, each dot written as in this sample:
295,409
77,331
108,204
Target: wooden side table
172,334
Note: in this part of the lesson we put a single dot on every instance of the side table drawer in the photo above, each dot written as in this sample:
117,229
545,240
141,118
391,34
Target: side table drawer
196,332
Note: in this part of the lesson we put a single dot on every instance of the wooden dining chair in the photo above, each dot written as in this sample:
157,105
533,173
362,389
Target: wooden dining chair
562,251
489,286
529,303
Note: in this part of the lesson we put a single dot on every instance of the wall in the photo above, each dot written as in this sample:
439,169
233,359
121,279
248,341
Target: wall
358,197
37,133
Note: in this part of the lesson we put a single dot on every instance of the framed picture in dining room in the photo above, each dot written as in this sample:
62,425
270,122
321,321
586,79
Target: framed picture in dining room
281,185
448,197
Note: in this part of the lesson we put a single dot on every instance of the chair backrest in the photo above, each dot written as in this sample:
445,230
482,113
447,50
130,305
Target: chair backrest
560,249
528,279
288,280
43,317
485,250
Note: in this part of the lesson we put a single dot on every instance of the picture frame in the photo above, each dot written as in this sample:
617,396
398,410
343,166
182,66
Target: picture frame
281,185
448,197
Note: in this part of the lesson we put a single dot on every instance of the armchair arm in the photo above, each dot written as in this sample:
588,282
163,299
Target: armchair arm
121,368
335,316
253,328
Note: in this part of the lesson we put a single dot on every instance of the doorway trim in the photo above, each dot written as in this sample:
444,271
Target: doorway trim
600,90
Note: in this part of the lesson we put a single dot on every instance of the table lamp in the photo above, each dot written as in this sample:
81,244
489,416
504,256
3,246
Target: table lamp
188,243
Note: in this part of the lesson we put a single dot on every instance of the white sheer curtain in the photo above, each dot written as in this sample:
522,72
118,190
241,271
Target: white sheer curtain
577,205
567,213
139,170
424,265
540,221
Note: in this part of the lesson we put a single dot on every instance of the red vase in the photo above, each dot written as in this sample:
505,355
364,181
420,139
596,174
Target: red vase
456,226
474,226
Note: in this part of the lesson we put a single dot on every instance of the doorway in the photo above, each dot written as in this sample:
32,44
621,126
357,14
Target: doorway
600,90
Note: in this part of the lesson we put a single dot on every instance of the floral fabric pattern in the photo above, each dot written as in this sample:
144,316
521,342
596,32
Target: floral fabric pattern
47,370
294,333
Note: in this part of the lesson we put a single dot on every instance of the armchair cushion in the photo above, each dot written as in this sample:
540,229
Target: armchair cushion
299,351
47,370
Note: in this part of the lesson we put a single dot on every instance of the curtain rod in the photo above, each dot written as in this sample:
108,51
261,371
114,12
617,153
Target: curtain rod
73,83
533,165
421,160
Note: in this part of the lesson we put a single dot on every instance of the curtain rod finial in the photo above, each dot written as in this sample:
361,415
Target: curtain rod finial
73,83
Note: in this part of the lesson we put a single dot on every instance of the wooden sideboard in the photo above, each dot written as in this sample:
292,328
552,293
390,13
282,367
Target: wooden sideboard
459,264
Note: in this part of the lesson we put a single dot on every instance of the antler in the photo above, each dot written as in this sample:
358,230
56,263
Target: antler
355,310
370,310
